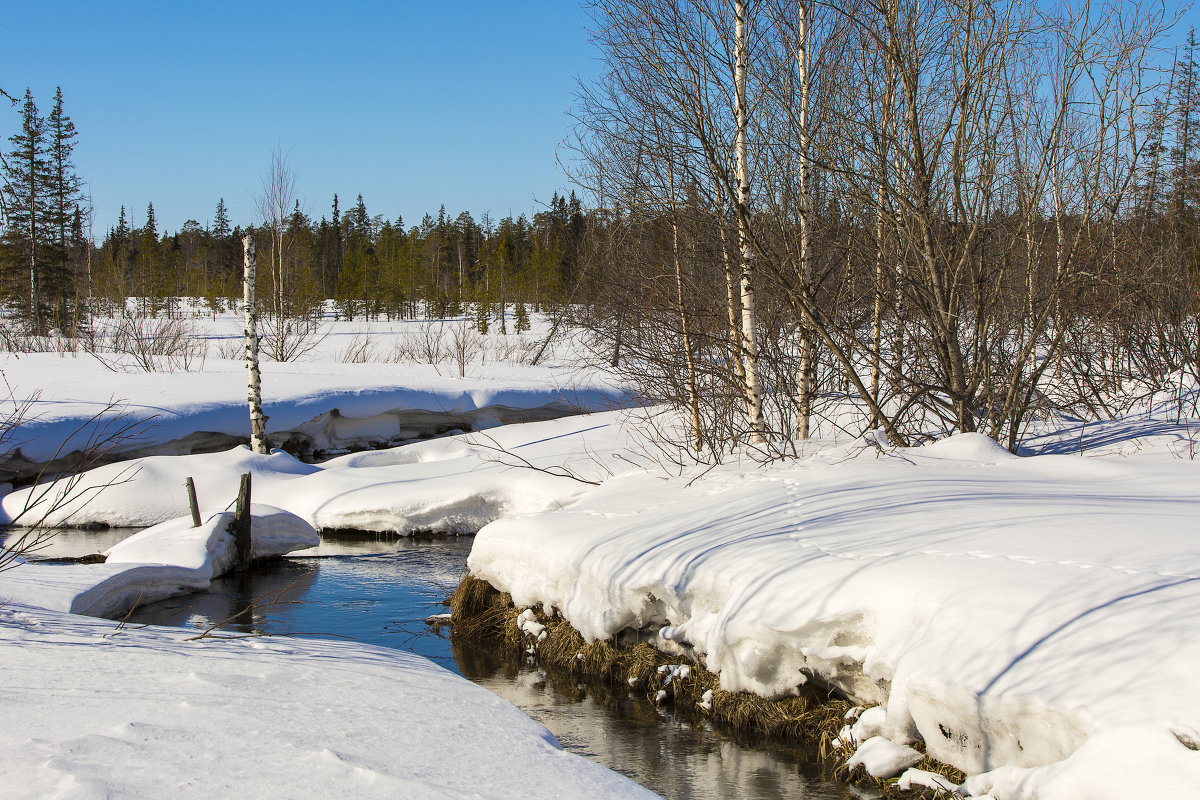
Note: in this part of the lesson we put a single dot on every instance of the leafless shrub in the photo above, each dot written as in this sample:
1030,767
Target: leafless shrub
150,344
512,349
231,349
361,350
288,338
426,345
465,345
89,445
15,338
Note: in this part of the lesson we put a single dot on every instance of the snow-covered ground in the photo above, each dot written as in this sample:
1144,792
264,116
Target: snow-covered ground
95,711
361,368
165,560
1031,619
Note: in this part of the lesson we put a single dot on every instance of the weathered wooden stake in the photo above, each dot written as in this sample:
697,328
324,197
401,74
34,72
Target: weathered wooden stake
241,523
191,489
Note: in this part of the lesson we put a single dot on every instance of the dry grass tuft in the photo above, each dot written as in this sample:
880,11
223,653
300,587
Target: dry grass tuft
481,614
812,716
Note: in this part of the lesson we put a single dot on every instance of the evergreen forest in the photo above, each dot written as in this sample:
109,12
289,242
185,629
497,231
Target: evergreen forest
944,219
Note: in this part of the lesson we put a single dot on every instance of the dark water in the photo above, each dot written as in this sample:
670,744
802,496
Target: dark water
381,591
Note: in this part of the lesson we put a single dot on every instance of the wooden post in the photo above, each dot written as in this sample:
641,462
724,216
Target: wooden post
191,490
241,523
258,423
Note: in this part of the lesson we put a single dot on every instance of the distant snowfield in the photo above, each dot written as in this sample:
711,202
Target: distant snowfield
1031,619
66,389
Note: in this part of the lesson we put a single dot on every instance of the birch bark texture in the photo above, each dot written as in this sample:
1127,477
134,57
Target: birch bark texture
754,402
258,422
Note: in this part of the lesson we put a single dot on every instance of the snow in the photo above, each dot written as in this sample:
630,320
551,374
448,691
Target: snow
67,389
454,484
162,561
1030,619
91,710
1007,611
883,758
916,779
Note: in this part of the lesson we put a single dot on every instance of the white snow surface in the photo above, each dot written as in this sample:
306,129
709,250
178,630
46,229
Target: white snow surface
454,484
1014,613
66,389
1031,619
883,758
92,711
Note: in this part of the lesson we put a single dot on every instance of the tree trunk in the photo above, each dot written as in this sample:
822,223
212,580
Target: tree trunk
754,403
258,422
806,371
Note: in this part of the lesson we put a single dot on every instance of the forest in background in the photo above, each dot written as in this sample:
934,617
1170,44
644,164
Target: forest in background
915,218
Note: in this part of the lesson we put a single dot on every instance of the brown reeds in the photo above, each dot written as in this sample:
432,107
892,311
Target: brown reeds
812,716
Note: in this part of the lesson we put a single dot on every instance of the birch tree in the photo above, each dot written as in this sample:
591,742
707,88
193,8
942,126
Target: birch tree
258,422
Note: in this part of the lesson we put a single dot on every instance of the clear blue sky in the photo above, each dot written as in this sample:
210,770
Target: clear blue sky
413,104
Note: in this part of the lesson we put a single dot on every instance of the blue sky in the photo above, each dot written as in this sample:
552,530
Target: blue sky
413,104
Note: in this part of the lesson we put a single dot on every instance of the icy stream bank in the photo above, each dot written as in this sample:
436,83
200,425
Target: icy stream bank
990,603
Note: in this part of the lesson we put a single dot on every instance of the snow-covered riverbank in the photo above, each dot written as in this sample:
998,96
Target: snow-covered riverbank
1031,619
91,710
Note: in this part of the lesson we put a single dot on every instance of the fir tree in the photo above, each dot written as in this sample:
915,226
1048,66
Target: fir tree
521,323
61,278
221,228
64,182
28,232
122,230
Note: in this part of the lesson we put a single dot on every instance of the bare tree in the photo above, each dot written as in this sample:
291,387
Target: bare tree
258,421
291,325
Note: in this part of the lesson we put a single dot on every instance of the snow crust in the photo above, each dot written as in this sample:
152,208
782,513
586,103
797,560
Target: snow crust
883,758
92,711
67,389
455,484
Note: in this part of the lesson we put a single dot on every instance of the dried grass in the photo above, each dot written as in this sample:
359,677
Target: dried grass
481,614
484,616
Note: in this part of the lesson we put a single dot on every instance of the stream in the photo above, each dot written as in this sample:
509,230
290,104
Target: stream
380,591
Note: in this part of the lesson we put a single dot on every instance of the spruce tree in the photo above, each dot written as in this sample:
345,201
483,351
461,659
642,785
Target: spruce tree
148,265
60,278
1185,154
28,232
221,228
522,318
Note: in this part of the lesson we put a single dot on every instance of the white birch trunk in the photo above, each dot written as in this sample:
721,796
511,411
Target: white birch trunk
804,380
258,422
692,395
754,403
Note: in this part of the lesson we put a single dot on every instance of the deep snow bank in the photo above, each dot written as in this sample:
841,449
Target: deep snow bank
168,559
1013,613
90,711
66,391
456,484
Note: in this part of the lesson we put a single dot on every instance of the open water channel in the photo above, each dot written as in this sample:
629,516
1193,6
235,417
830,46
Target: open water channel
381,591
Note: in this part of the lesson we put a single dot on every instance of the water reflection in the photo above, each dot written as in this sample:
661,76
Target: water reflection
380,590
679,756
374,591
73,543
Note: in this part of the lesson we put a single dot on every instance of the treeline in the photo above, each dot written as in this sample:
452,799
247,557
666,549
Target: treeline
371,266
53,275
44,251
913,217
